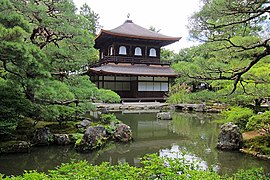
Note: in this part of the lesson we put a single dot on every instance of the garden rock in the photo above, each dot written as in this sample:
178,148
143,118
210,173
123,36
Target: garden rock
93,138
15,147
83,124
123,133
164,116
42,136
230,137
61,139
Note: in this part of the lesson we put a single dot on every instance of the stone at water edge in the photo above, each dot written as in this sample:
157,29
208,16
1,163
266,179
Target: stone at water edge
123,133
164,116
61,139
93,138
230,137
42,136
15,147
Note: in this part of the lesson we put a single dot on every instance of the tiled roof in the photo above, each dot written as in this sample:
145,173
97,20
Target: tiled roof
134,69
132,30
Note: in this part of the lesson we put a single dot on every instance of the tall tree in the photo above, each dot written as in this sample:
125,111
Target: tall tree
236,28
92,18
44,52
167,55
235,52
195,63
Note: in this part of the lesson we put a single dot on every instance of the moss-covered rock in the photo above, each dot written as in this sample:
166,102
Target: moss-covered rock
14,147
230,137
93,138
122,133
61,139
42,136
164,116
83,124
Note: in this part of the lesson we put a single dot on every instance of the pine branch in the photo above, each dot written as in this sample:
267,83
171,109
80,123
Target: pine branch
54,102
6,69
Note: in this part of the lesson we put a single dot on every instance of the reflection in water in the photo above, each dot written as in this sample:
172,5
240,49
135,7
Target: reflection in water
194,133
180,153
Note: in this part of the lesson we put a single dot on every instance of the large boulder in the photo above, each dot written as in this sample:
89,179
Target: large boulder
230,137
61,139
42,136
122,133
93,138
164,116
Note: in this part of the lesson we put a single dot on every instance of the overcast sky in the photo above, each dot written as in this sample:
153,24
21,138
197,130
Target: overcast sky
170,17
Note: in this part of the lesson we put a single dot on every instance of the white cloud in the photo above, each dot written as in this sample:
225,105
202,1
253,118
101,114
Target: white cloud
170,16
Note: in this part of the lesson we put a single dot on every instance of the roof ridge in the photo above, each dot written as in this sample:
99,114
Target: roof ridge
130,28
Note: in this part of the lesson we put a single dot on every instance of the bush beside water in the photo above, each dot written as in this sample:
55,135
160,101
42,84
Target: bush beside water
247,120
153,167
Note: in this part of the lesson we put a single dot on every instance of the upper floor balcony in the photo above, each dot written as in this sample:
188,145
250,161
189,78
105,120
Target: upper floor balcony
131,60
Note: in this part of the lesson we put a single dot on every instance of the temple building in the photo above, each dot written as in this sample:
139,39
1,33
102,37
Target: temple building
129,63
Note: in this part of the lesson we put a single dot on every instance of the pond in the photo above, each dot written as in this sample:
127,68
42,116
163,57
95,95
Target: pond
188,135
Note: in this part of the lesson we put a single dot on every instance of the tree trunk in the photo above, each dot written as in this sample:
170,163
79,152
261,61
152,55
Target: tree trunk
30,94
258,103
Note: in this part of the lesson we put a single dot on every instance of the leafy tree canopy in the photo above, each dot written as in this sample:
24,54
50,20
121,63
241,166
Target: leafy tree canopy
235,54
236,30
45,49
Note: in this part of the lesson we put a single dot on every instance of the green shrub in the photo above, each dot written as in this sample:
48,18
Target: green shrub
182,96
178,97
13,106
251,174
107,118
7,127
154,167
108,96
259,121
76,137
202,96
238,115
110,129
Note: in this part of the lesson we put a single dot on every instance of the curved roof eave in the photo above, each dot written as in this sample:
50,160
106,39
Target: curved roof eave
101,72
137,36
136,69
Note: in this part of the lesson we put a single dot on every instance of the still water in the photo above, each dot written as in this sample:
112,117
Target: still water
191,133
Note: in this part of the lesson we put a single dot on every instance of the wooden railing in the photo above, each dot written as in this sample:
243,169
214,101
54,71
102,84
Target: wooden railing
132,60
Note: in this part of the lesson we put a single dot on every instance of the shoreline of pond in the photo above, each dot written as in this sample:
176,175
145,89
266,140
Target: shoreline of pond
141,107
158,106
155,107
187,131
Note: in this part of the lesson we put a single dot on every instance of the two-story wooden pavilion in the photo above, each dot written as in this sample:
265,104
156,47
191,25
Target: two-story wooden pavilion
130,62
